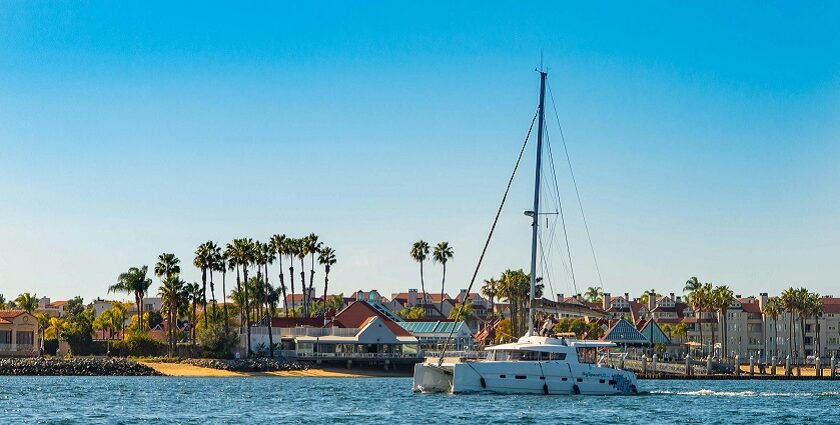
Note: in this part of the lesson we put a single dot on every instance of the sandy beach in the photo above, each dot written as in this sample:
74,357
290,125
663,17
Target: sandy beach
180,369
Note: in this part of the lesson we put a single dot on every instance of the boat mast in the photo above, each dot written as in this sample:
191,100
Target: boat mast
535,213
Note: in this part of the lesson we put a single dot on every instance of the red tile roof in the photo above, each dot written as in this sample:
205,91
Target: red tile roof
357,314
10,314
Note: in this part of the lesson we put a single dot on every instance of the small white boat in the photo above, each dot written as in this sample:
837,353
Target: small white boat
534,364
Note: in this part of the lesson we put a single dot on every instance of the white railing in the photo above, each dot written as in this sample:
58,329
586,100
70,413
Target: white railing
314,332
360,355
461,354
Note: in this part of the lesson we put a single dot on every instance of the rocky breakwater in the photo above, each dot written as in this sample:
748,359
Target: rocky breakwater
78,366
248,365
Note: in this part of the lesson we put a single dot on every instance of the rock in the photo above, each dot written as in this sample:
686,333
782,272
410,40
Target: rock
77,366
248,365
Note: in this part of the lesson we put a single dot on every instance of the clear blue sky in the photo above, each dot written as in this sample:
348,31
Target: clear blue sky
704,139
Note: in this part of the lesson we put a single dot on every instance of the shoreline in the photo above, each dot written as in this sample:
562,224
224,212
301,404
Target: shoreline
188,370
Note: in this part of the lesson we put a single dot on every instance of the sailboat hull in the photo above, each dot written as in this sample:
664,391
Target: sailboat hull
549,377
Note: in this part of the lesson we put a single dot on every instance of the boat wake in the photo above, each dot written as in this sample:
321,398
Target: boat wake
707,392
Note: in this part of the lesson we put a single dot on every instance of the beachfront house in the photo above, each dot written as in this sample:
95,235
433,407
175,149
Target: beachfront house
18,334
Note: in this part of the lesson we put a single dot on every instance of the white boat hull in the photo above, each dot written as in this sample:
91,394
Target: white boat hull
537,377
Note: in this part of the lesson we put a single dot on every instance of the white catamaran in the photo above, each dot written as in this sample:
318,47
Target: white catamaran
534,364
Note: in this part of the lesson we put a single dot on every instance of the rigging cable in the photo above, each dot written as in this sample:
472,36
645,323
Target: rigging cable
490,235
562,216
574,182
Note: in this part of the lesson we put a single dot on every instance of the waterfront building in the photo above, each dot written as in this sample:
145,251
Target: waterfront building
18,334
52,308
359,332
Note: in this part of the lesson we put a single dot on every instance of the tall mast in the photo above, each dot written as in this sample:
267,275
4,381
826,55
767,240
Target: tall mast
535,213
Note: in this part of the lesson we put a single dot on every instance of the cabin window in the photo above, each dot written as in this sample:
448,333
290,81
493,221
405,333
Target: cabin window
557,356
580,379
612,381
600,381
521,377
565,379
502,376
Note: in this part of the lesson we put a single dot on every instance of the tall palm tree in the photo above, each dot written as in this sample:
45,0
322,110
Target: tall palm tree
135,282
26,301
420,252
699,301
293,246
302,251
213,257
279,245
326,258
442,254
202,262
773,309
193,294
722,299
259,258
313,247
491,291
242,254
221,263
790,304
172,294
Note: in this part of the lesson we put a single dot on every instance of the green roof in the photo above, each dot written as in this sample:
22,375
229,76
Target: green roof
431,327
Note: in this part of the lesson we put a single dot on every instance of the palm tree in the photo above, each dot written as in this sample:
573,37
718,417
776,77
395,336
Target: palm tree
789,304
326,258
773,309
691,285
3,305
302,246
491,291
213,257
699,301
26,301
313,247
172,294
167,265
292,248
722,299
420,252
202,261
279,245
134,281
193,294
442,254
221,264
242,254
594,294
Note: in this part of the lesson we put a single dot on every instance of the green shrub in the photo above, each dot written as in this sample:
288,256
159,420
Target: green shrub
50,347
138,344
215,342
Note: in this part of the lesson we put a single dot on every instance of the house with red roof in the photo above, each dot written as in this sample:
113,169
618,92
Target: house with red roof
18,333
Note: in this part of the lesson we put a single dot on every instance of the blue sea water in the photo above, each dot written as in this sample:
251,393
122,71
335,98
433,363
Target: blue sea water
261,400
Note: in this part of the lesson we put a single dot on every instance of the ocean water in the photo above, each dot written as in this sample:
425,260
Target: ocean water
260,400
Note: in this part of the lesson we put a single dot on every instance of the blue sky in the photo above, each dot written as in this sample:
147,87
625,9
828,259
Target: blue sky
704,139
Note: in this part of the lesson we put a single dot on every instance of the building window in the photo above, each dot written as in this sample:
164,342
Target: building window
5,337
25,338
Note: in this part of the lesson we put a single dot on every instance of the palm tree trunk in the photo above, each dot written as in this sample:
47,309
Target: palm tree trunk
422,283
442,289
292,279
326,284
204,292
265,291
700,325
212,293
312,275
303,287
247,310
224,298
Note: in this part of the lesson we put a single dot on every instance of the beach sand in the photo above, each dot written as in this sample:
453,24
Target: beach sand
180,369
